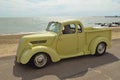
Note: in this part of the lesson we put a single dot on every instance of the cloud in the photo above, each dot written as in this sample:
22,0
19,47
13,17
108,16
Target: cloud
58,7
91,5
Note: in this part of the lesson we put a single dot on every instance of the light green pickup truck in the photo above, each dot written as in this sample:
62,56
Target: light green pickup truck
62,39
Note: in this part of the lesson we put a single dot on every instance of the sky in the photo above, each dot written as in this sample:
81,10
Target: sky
31,8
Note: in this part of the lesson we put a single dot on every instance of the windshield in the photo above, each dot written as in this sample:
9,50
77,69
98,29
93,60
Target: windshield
54,27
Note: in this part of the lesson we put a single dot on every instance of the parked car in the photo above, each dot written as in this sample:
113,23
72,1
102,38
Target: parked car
62,39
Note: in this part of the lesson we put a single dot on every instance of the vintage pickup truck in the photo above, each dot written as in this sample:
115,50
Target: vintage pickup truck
62,39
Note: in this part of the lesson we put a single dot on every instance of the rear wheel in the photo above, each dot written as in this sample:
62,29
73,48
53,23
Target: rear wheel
101,49
39,60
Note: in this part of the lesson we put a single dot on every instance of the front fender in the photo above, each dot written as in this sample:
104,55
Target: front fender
96,41
30,52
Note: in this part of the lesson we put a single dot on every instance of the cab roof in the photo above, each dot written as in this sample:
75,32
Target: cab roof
67,21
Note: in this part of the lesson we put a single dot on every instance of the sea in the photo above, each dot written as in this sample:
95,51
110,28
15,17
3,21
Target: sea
22,25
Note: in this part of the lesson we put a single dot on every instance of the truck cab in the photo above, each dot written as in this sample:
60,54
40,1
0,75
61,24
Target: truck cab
62,39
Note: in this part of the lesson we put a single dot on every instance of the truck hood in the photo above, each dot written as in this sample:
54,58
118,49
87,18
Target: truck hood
40,35
40,38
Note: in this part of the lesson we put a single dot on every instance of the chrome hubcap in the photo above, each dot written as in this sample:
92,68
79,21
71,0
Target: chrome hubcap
101,48
40,60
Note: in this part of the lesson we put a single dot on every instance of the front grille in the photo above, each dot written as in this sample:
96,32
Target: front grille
38,42
18,49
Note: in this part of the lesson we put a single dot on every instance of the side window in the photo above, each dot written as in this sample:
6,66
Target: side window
79,28
69,29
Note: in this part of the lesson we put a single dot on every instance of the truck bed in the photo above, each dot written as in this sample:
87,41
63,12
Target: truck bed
91,33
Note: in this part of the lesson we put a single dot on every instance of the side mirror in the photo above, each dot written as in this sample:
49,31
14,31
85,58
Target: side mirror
60,34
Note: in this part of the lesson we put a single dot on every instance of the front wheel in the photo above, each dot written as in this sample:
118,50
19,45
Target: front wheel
39,60
101,49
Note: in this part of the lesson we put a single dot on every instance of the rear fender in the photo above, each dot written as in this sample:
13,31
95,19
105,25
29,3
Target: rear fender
96,41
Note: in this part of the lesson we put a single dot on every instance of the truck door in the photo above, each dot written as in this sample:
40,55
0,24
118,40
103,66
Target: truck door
67,42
